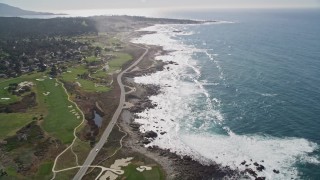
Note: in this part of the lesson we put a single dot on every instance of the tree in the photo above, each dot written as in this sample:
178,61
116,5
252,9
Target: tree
54,71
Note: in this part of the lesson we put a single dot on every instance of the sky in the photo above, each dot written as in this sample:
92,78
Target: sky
44,5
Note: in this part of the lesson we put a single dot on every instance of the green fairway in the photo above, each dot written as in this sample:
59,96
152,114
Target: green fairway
91,59
117,62
131,173
100,74
5,96
86,85
62,116
4,85
10,123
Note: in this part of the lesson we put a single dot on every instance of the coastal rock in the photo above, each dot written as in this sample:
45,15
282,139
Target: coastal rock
134,126
187,158
152,89
151,134
174,63
276,171
261,168
162,133
146,141
251,172
260,178
136,109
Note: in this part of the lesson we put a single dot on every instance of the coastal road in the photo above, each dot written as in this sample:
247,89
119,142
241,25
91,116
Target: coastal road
93,153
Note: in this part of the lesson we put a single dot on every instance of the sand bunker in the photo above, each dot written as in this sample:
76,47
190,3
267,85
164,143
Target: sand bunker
143,168
5,98
46,94
116,165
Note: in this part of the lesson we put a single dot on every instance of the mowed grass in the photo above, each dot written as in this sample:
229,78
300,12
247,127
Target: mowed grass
4,93
5,84
86,85
131,173
117,62
100,74
12,174
11,123
44,171
59,121
91,59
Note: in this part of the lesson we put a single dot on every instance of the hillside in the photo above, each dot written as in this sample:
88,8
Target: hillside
7,10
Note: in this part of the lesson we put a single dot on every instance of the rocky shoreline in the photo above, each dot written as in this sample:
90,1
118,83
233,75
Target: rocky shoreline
175,167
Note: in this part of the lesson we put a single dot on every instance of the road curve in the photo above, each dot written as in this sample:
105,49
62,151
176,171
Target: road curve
93,153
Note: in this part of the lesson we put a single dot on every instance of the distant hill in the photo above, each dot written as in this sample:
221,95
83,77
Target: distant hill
9,11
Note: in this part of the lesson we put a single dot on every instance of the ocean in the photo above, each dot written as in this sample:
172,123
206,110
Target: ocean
246,88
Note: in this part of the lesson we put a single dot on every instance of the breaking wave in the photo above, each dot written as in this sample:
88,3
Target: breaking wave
189,121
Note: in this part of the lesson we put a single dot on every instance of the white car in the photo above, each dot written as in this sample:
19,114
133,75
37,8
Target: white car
97,150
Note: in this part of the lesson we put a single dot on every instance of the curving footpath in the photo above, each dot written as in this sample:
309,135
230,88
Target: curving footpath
93,153
74,133
115,152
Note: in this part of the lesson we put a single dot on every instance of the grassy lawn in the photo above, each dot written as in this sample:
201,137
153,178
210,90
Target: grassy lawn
67,175
58,120
12,174
120,59
5,83
81,149
11,123
91,59
100,74
5,94
131,173
44,171
66,160
61,118
86,85
114,40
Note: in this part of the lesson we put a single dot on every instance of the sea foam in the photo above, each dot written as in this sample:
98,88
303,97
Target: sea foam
188,115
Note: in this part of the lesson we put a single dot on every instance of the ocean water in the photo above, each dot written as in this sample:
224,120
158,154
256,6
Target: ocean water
246,88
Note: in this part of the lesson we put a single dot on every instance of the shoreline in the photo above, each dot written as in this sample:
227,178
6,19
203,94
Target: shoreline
175,166
168,120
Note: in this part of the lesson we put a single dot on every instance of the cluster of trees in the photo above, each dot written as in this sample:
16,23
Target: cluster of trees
34,44
3,173
14,27
28,54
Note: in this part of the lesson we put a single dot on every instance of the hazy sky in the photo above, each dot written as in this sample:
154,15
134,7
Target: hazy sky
105,4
